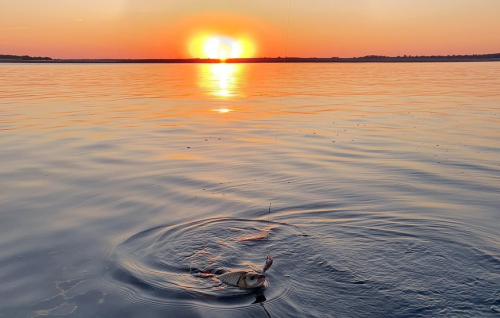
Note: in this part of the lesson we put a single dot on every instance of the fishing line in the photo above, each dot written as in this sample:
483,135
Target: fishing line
280,104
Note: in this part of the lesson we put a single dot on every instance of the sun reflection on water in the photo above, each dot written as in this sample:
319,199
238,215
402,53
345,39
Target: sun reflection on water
221,79
222,110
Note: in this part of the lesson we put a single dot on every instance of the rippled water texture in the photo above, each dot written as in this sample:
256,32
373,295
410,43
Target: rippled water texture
125,187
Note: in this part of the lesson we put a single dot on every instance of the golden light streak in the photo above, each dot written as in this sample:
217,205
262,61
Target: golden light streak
223,72
221,79
222,110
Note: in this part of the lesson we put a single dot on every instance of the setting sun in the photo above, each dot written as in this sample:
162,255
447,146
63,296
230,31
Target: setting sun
221,47
222,54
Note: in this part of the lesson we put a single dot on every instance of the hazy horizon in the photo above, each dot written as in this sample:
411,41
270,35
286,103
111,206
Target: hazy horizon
262,57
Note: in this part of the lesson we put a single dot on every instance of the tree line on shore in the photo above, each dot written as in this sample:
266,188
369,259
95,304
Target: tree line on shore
466,56
24,57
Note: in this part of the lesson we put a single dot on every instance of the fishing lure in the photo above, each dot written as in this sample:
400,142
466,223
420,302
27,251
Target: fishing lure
269,262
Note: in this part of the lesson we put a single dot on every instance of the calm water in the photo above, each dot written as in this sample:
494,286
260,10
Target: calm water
121,183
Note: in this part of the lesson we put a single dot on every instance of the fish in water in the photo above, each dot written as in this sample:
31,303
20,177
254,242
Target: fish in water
243,279
247,279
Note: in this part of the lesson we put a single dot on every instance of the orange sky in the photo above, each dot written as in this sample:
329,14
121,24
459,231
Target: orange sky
321,28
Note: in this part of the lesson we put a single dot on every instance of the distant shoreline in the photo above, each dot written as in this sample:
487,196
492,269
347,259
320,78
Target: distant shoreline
365,59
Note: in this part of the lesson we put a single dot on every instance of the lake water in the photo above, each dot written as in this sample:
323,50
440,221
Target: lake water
122,184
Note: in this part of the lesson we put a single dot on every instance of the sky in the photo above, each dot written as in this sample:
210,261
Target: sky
262,28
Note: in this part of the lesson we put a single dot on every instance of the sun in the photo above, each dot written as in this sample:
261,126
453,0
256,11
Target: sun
222,54
221,47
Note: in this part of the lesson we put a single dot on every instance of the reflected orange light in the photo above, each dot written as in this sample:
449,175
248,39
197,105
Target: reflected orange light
220,47
221,79
222,110
224,74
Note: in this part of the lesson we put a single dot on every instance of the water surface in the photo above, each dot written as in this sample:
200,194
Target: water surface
120,184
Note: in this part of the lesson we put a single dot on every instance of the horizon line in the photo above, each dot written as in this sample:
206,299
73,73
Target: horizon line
365,58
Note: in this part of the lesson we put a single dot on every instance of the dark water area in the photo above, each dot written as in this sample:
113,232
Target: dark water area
122,185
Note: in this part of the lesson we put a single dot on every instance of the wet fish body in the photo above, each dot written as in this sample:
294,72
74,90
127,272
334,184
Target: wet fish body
247,279
243,279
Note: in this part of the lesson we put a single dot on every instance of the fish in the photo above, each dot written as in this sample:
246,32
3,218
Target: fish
247,279
269,262
243,279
